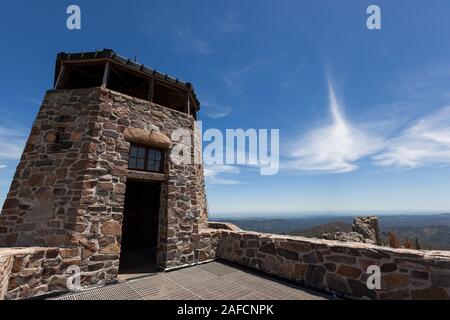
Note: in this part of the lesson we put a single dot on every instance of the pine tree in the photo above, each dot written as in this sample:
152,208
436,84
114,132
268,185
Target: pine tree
408,244
418,245
393,241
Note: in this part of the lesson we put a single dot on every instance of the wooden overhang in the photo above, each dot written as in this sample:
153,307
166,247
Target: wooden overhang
111,58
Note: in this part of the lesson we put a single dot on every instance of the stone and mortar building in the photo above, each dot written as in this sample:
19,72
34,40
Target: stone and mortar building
97,188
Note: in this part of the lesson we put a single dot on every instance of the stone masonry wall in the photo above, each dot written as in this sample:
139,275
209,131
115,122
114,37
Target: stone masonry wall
69,187
37,271
331,266
340,267
42,206
183,205
5,269
207,245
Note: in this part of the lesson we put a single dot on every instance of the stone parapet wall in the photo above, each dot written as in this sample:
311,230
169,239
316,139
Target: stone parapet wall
331,266
37,271
341,268
207,245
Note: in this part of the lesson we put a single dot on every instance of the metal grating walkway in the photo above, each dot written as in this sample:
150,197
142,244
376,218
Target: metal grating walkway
211,281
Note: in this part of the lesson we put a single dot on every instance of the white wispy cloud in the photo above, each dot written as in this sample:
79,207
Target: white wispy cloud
219,174
2,166
336,146
12,142
185,34
229,24
425,143
33,100
193,43
233,77
215,110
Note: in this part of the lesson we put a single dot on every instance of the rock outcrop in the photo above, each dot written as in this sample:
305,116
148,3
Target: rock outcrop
368,228
364,230
345,236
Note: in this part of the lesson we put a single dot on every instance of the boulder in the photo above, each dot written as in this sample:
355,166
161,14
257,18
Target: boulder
364,230
147,138
368,228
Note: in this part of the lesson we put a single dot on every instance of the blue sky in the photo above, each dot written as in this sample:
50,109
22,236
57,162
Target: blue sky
363,117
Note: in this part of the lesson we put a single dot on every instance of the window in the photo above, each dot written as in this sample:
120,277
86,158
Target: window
145,159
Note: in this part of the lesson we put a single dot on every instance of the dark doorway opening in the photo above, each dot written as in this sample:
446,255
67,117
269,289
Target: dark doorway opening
140,228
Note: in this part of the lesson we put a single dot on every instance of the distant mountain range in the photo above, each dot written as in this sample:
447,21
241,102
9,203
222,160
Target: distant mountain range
433,230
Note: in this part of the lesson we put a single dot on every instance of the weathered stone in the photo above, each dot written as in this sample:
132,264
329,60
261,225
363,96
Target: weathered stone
309,258
268,248
299,272
431,293
343,236
364,229
110,249
349,251
422,275
314,275
394,281
290,255
70,262
111,228
375,254
388,267
359,289
349,272
330,267
58,283
295,246
395,295
368,228
337,284
51,253
271,264
440,279
342,259
147,138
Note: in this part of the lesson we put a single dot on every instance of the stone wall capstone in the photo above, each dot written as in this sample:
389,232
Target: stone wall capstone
341,268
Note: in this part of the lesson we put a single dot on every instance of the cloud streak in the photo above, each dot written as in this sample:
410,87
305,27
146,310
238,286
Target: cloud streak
192,42
336,146
233,77
216,111
424,143
219,174
12,141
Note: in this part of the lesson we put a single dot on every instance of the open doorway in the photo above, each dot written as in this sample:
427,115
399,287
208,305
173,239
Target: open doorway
140,228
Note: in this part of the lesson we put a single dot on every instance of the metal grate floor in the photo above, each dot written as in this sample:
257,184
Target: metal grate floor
211,281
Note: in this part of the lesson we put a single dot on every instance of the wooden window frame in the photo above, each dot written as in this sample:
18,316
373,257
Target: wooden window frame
146,159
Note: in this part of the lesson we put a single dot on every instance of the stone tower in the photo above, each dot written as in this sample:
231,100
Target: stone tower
96,177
